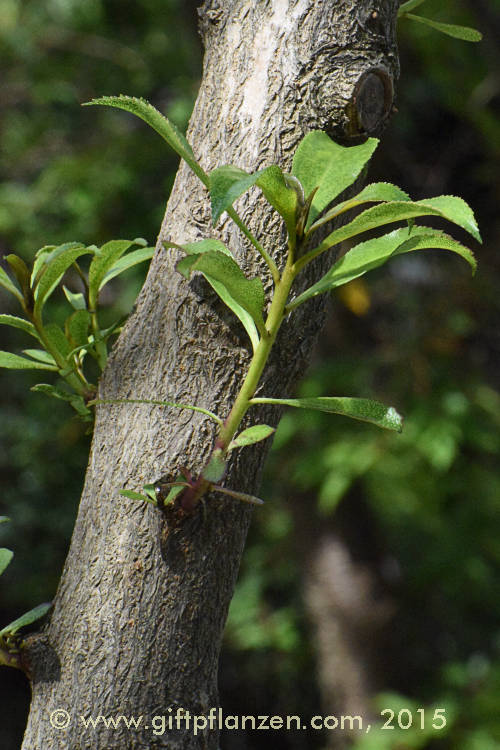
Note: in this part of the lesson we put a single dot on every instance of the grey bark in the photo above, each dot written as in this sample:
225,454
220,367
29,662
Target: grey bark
138,617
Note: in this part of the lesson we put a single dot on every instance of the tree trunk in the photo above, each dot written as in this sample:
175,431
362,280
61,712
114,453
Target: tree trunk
139,613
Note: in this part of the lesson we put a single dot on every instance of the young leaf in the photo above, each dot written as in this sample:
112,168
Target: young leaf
76,300
238,495
465,33
375,193
208,245
357,408
218,267
158,122
103,260
27,619
14,362
215,469
128,261
377,251
55,266
10,286
6,556
251,435
137,496
321,163
23,325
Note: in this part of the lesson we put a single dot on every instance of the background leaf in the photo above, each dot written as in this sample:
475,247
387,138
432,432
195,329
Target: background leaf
6,556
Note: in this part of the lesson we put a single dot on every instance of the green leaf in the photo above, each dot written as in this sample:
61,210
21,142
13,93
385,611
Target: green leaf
409,5
209,245
54,391
215,469
23,325
27,619
377,251
55,266
40,355
77,328
465,33
10,286
374,193
168,131
448,207
103,260
175,492
128,261
456,210
321,163
20,271
4,519
6,556
219,267
76,300
238,495
14,362
228,183
251,435
357,408
137,496
57,340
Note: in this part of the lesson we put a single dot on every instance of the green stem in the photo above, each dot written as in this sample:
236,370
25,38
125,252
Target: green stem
262,252
259,360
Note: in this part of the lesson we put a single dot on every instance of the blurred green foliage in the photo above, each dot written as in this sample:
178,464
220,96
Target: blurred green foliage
420,509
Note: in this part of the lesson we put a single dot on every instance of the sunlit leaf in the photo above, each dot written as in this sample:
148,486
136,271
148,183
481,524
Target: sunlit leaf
321,163
219,267
377,251
363,409
374,193
209,245
168,131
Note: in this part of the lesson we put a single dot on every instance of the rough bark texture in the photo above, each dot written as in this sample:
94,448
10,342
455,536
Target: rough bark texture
139,614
